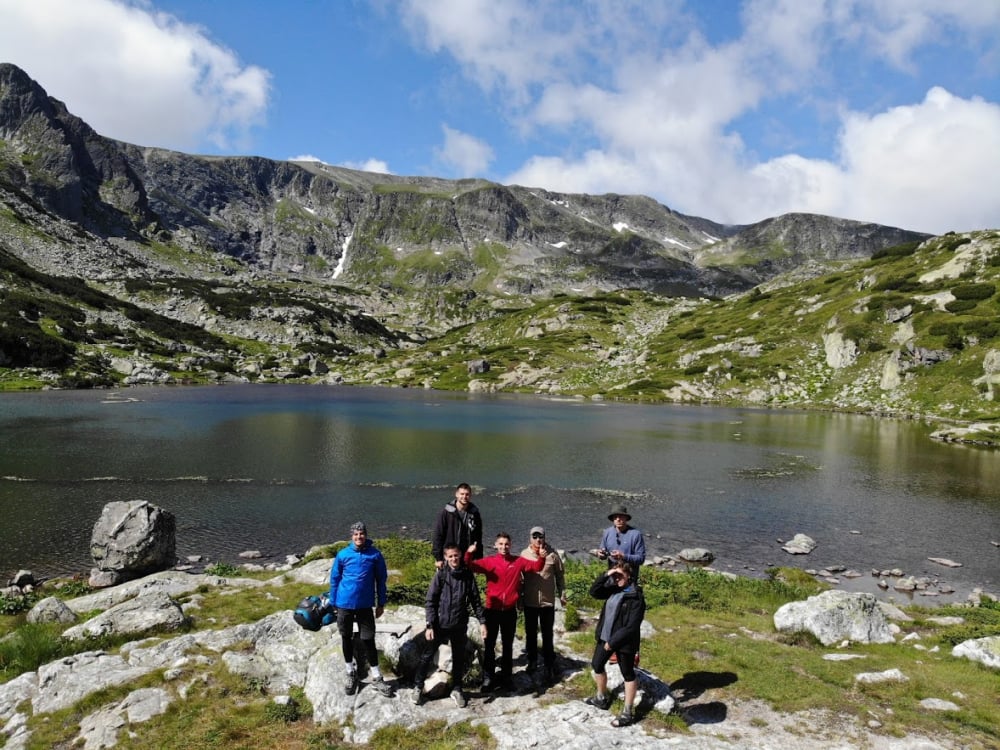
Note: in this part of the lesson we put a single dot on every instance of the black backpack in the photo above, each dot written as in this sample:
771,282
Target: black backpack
314,612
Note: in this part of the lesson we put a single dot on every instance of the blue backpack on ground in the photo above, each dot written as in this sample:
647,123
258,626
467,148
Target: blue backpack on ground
314,612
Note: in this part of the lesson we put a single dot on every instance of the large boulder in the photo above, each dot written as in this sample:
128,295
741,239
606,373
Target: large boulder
835,616
132,539
984,650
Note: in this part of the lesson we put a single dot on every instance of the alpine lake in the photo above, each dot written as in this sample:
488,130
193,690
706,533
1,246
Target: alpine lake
279,468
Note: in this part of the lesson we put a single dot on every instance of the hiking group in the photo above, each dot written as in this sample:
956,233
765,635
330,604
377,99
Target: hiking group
532,582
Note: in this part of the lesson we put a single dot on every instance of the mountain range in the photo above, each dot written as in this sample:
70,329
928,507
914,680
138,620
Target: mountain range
123,264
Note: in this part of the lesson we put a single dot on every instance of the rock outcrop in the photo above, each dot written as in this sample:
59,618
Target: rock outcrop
835,616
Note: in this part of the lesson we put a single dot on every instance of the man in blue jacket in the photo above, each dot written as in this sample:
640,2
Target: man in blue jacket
357,584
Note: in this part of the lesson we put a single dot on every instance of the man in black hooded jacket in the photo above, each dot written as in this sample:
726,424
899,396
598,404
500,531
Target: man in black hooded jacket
452,595
458,523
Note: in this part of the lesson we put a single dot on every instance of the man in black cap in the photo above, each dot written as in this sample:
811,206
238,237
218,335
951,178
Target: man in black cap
621,542
541,592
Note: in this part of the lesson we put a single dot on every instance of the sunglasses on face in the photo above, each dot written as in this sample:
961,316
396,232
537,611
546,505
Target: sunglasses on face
536,535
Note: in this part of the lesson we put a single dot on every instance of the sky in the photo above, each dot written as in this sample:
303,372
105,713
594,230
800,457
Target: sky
874,110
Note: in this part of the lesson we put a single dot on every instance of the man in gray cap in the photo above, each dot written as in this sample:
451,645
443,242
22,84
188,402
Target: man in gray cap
357,585
541,591
621,542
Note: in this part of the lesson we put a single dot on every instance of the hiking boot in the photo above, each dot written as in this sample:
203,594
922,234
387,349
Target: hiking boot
353,683
602,702
623,719
382,687
550,675
487,685
459,697
418,694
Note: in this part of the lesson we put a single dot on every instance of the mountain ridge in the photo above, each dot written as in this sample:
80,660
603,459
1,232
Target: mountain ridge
128,264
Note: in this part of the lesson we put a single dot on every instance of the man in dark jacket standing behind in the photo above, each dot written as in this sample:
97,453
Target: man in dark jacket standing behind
452,595
458,523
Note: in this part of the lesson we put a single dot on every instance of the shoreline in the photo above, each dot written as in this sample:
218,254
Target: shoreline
935,591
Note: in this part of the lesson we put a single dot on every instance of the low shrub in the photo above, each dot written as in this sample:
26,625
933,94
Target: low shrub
973,291
896,251
960,305
223,570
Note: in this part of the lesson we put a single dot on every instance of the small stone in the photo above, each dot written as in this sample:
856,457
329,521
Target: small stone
937,704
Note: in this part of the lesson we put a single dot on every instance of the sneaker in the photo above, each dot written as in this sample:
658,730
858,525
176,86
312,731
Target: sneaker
459,697
418,694
602,702
383,687
624,719
353,683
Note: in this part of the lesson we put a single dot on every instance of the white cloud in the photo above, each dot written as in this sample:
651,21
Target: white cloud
135,74
661,113
369,165
502,45
912,163
466,155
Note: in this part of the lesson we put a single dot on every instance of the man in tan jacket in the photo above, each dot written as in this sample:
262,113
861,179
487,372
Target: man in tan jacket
541,590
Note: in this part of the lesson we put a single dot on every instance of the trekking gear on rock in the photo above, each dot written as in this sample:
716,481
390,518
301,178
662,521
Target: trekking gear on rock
314,612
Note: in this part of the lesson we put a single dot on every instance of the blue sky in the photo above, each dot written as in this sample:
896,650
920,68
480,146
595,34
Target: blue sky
875,110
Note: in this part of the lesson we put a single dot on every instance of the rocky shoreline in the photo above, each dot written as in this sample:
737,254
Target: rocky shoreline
893,585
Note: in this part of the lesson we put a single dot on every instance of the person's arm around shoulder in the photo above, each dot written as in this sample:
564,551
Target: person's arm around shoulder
476,566
534,563
477,533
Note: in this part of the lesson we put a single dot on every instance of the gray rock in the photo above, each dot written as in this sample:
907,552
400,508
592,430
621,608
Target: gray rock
889,675
938,704
51,609
66,681
986,650
133,538
22,688
101,579
135,616
834,616
698,555
800,544
101,728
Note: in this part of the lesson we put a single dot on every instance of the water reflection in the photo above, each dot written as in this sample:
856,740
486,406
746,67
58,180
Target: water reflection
282,467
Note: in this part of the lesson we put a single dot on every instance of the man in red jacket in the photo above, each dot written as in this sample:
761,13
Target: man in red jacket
504,578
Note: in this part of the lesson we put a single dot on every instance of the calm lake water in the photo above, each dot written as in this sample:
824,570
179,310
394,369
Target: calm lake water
280,468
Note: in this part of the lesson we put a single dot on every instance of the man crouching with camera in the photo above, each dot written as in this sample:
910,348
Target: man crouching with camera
617,634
